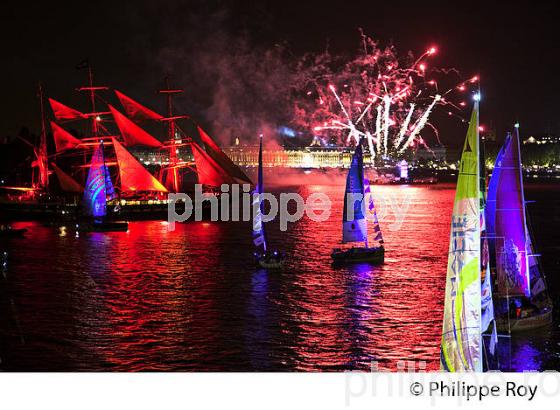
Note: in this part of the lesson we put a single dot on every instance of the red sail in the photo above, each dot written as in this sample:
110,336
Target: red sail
65,113
133,176
218,156
63,140
209,172
132,133
135,110
67,183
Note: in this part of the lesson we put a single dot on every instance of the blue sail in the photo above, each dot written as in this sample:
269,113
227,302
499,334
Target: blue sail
491,200
259,233
109,188
95,193
354,224
516,262
508,222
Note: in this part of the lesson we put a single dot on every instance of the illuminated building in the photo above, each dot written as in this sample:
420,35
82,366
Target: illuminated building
308,157
542,139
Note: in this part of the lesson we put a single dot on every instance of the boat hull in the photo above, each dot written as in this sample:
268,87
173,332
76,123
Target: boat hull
271,265
531,322
272,260
134,210
102,226
110,226
374,256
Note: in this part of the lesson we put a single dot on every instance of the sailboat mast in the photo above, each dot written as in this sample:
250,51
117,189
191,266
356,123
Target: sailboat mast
480,363
94,129
261,186
259,233
42,160
363,202
363,196
43,145
527,250
171,123
91,89
171,132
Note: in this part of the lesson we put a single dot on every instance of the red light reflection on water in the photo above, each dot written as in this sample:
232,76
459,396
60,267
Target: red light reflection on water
192,299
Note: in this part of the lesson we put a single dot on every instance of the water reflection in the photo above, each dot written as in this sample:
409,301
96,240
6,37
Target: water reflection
150,299
257,332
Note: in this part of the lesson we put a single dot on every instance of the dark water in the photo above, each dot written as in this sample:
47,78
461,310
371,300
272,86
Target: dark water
191,299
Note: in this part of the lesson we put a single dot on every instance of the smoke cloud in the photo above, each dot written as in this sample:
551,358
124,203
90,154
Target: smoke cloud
236,88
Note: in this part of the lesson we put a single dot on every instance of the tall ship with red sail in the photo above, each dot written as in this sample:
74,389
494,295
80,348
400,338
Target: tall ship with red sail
190,156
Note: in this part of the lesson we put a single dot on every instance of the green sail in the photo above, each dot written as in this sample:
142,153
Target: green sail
461,344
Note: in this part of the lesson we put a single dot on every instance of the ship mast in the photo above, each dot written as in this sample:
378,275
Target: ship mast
92,100
173,178
42,160
93,115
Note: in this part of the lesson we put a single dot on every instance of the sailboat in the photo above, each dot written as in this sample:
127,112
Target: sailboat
98,188
523,301
468,310
212,166
355,226
264,257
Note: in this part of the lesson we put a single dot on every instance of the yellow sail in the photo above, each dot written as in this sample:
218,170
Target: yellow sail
461,344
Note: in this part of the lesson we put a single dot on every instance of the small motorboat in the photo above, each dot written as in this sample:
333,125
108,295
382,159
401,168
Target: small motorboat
270,260
375,255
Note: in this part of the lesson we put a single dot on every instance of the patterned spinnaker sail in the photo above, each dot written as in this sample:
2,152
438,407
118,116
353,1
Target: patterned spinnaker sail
461,344
95,197
511,239
354,226
109,188
487,304
259,233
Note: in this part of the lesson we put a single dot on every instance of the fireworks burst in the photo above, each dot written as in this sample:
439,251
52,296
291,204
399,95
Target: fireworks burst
375,96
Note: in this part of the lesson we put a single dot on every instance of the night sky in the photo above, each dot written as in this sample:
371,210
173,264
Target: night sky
133,45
